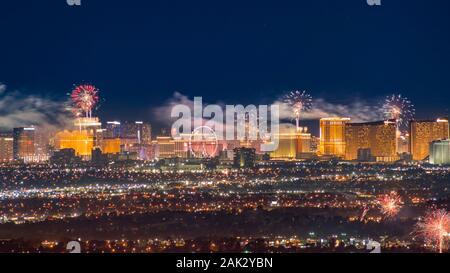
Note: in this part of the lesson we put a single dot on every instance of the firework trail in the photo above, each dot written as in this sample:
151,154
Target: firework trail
399,108
435,228
299,101
364,213
85,97
390,204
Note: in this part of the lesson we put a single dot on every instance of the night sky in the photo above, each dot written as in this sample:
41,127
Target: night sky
138,53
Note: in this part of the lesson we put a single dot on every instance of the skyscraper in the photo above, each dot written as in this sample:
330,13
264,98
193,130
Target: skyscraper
93,127
440,152
244,158
303,141
42,143
111,146
424,132
111,143
403,143
23,143
371,140
80,141
135,136
332,136
287,146
292,143
128,130
113,129
166,147
182,148
89,124
86,135
138,131
6,147
143,132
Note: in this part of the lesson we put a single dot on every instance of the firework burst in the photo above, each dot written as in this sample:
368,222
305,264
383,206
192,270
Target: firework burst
435,228
85,98
399,108
299,101
390,204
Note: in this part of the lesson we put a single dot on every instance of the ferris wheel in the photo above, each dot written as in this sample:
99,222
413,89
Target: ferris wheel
203,142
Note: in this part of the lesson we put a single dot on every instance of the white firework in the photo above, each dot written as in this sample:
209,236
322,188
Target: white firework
399,108
299,102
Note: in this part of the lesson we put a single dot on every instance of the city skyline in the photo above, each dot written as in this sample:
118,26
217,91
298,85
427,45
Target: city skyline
62,112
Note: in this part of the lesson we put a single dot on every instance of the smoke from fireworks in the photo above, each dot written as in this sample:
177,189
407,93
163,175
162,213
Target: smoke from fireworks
85,97
390,204
434,228
299,101
399,108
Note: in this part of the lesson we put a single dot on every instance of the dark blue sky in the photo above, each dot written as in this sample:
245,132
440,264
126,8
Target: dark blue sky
245,51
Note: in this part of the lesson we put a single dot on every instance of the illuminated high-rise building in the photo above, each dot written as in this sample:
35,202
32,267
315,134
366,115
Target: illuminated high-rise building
287,143
244,158
112,142
99,137
80,141
143,132
88,124
332,136
315,144
303,141
86,135
42,143
6,147
403,143
93,126
137,131
440,152
127,144
113,129
182,147
144,139
23,143
376,140
111,146
292,143
153,151
166,147
128,130
424,132
135,137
